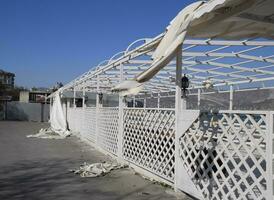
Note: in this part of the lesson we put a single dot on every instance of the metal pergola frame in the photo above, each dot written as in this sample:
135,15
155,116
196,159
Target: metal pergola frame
212,65
246,64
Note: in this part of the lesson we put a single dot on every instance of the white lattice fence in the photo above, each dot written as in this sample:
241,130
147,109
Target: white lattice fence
149,140
89,124
225,154
271,151
108,129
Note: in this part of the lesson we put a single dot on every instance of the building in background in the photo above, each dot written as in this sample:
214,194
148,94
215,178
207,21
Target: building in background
7,79
19,103
37,96
6,86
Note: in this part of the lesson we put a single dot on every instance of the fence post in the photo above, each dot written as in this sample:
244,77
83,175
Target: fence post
145,102
98,106
82,113
199,98
231,97
84,98
74,97
269,157
121,120
178,111
158,100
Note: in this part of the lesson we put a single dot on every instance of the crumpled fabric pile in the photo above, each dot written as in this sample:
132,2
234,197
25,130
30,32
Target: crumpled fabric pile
48,133
97,169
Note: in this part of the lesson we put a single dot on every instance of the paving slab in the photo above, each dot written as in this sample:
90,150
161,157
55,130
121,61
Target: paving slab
33,168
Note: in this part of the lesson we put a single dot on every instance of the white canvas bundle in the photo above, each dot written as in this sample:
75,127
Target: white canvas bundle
57,119
58,125
96,169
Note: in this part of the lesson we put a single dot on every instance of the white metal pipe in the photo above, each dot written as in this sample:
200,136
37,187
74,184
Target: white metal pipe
178,111
83,98
134,102
74,98
231,97
199,98
121,119
145,102
158,100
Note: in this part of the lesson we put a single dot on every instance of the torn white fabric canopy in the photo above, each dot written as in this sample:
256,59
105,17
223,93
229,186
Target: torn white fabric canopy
96,169
57,119
229,19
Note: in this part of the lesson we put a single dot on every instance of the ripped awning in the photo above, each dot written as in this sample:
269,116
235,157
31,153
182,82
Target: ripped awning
229,42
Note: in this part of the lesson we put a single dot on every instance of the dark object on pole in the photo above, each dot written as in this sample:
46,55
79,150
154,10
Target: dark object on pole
100,98
185,84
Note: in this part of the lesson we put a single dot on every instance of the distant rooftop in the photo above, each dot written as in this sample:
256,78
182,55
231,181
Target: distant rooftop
7,73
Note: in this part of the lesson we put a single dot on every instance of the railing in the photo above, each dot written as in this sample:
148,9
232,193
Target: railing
149,140
223,155
89,124
108,129
226,154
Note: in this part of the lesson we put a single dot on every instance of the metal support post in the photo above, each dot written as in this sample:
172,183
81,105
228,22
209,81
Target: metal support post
84,98
121,119
199,98
184,103
145,102
178,110
97,111
134,102
231,97
158,100
74,98
270,157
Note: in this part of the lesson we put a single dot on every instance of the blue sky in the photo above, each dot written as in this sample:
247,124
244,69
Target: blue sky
45,41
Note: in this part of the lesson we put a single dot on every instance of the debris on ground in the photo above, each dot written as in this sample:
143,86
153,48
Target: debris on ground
48,133
97,169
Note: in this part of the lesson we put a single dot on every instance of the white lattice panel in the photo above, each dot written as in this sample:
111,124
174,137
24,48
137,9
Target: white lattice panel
225,155
271,147
108,129
89,124
149,140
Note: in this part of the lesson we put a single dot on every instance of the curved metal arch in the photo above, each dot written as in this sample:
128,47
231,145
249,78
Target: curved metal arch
101,64
111,59
135,42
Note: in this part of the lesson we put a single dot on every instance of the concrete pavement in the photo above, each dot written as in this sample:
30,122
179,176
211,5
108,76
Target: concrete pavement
32,168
